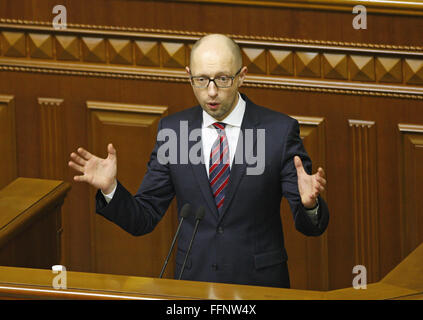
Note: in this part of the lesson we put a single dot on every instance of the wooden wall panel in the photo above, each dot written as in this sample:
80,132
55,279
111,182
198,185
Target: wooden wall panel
8,164
132,129
303,62
30,222
52,130
331,67
307,256
336,110
411,173
324,22
53,159
365,196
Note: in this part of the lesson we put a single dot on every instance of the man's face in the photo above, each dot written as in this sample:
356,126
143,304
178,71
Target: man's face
212,63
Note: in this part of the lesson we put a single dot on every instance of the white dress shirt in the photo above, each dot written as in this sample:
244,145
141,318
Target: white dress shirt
233,126
209,135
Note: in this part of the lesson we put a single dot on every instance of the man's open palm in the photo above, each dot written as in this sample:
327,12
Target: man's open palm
309,186
98,172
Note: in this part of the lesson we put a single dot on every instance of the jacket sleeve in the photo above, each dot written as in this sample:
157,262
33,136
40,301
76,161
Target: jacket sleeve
303,223
139,214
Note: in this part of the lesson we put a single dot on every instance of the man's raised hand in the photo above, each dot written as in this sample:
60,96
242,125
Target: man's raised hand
309,186
98,172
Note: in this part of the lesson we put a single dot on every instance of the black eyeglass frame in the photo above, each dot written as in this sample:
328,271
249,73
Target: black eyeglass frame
213,80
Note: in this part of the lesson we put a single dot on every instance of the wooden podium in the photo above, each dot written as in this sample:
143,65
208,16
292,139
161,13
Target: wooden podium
30,228
404,282
31,222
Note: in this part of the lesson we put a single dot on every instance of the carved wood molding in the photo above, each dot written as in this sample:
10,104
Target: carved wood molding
385,7
121,31
127,107
410,173
313,134
8,161
405,127
365,200
313,67
52,138
132,129
28,200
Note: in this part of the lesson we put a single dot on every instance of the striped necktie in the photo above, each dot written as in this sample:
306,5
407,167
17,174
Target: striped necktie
219,168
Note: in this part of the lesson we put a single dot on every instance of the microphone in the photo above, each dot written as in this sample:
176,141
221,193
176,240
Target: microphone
185,213
198,217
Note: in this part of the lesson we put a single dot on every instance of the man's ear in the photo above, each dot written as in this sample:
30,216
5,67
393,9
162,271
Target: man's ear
242,75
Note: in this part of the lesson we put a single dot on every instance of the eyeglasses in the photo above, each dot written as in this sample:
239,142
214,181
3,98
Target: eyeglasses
220,81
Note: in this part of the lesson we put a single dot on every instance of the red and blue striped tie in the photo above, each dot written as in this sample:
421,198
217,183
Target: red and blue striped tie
219,168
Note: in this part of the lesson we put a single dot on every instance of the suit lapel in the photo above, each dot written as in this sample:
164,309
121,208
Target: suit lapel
249,121
200,169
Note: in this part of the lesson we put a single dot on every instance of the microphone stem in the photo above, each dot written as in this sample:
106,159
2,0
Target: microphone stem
171,248
189,248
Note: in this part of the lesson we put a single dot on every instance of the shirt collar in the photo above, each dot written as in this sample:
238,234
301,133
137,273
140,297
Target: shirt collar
233,119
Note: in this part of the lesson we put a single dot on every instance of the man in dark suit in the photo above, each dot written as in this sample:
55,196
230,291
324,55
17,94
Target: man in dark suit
250,157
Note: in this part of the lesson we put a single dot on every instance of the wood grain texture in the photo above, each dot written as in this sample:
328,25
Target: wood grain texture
411,174
288,22
30,222
8,161
386,7
53,161
132,130
364,199
52,137
343,68
403,282
308,259
335,109
374,74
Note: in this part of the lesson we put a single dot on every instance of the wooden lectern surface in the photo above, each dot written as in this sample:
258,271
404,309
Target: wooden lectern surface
27,282
404,282
23,199
21,195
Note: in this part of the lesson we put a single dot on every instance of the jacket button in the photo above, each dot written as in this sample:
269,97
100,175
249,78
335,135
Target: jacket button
220,230
214,267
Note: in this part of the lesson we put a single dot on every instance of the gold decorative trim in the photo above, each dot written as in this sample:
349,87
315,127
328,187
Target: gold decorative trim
389,91
381,6
411,128
50,101
162,57
312,121
113,106
184,35
360,123
345,91
4,98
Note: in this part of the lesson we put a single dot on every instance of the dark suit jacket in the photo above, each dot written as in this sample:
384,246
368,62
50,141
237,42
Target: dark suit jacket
244,244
